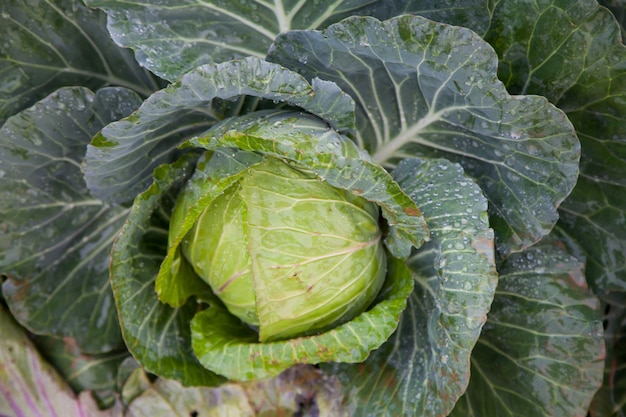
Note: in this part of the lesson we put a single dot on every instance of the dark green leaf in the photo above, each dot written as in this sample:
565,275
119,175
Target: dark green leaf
424,368
610,400
595,217
121,159
571,52
541,352
157,335
618,8
59,43
424,88
55,238
95,373
175,37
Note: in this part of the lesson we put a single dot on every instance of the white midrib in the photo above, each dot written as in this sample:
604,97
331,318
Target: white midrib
389,148
284,22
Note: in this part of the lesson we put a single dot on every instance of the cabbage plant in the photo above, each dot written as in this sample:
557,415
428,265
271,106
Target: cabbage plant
359,208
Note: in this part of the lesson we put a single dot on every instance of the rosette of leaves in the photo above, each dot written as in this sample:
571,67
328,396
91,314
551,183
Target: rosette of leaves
309,159
420,97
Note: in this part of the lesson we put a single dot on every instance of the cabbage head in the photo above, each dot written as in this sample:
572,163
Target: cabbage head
288,253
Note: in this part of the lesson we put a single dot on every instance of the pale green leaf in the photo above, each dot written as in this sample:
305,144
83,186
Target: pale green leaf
215,172
311,143
158,336
225,345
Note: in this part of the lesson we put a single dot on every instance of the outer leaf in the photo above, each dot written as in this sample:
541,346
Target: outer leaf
424,368
95,373
215,172
310,142
175,37
610,400
149,137
424,88
618,8
299,391
55,44
541,352
166,398
224,344
571,52
56,238
29,386
157,335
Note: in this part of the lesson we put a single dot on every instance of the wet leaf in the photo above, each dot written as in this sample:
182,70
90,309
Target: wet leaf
575,57
229,347
311,143
424,367
121,158
55,238
171,39
59,43
541,352
428,89
157,335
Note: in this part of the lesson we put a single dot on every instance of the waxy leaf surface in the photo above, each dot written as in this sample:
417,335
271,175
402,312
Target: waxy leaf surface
575,57
424,367
55,237
424,88
157,335
541,352
311,143
171,39
220,341
121,158
55,44
228,346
